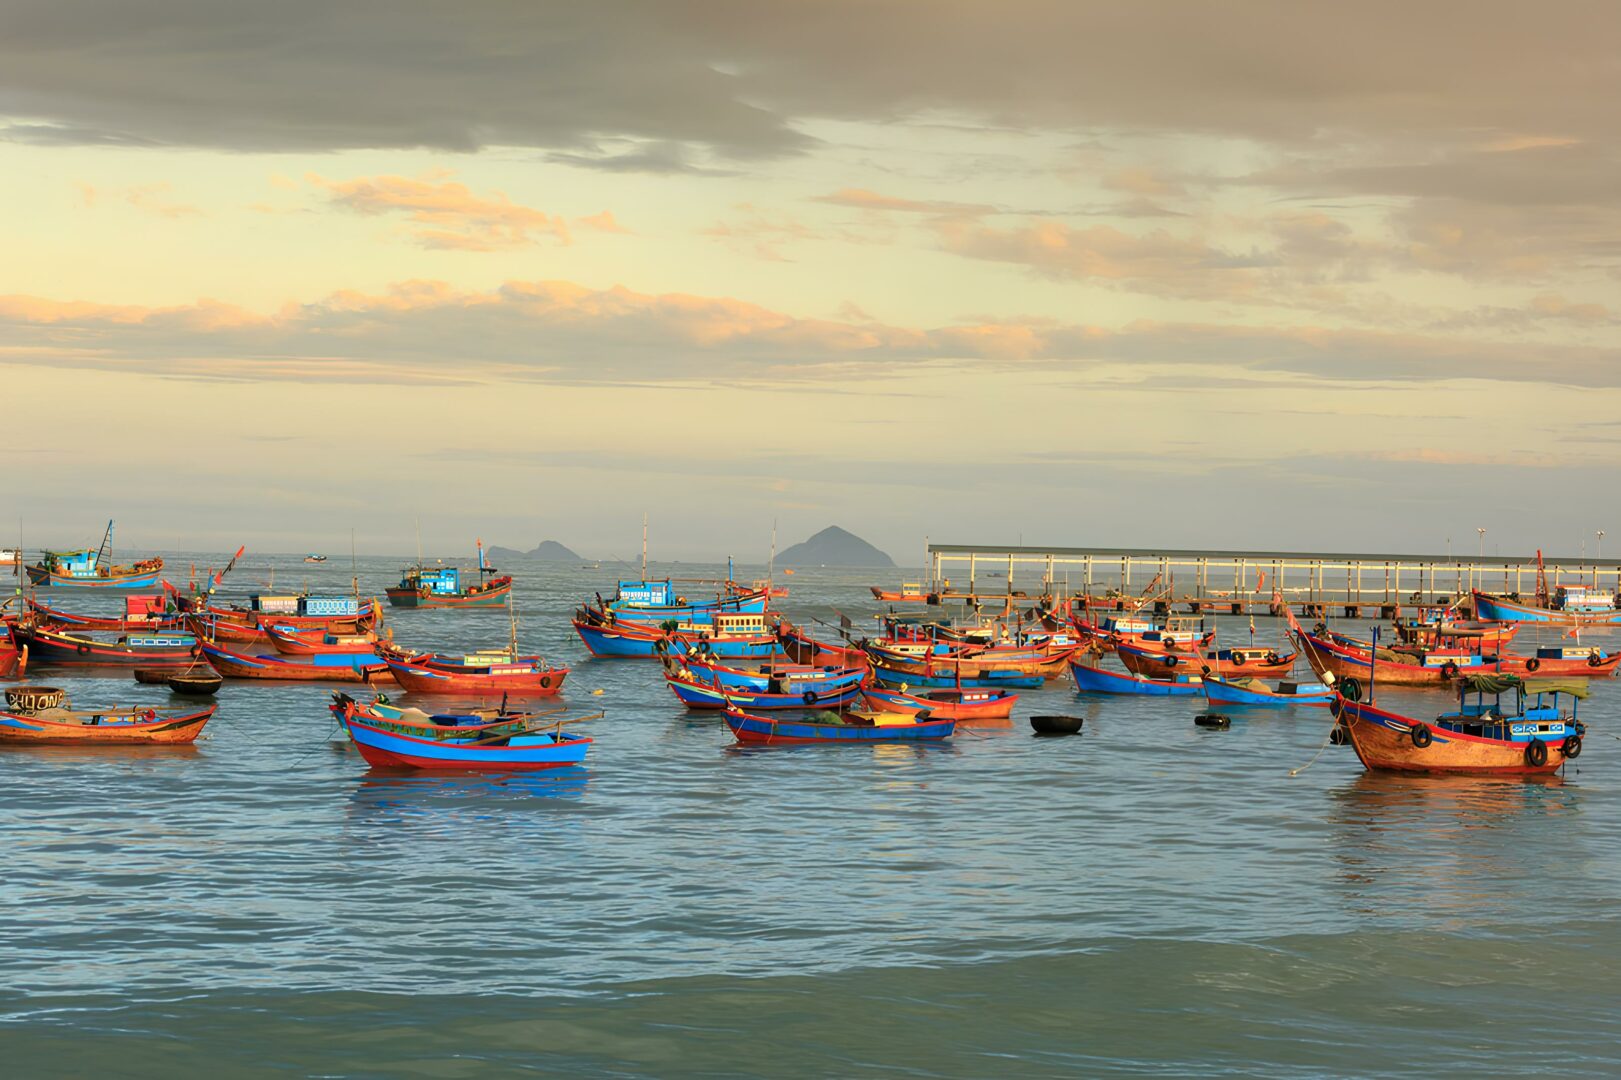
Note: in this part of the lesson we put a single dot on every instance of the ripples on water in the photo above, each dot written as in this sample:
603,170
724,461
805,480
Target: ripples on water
1147,898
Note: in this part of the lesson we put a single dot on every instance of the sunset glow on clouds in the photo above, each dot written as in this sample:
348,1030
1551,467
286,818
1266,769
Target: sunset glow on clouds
853,263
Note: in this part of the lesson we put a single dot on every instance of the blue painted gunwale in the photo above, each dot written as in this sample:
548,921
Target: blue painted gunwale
1098,681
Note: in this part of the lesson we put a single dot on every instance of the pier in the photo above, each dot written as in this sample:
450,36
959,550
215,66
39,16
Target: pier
1193,582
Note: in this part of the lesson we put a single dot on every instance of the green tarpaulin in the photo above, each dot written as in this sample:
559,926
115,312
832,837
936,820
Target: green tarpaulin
1500,684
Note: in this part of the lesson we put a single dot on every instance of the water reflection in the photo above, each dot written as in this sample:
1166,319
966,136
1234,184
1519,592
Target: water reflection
1464,849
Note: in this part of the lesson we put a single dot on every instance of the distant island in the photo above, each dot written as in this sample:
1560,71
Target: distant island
834,546
549,550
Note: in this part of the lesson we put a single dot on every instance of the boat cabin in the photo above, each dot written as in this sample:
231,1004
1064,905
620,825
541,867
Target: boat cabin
1583,599
1533,711
79,564
273,604
438,581
157,641
646,594
144,608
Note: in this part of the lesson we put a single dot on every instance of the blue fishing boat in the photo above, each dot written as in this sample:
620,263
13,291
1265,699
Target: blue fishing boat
697,694
774,678
729,635
87,569
658,601
1010,680
389,737
1096,680
1247,692
1570,605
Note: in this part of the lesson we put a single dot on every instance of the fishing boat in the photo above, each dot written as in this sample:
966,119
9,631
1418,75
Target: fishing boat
829,727
247,626
1533,735
776,678
959,705
956,680
1182,632
1157,664
1397,667
1092,679
13,660
315,558
477,674
42,715
442,587
654,602
318,668
801,648
1570,605
390,737
1047,661
87,569
79,649
734,635
908,593
290,641
10,557
148,611
695,693
1248,691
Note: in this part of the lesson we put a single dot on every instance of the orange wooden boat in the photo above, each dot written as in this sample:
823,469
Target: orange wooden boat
41,715
906,594
1478,739
960,705
13,661
1159,664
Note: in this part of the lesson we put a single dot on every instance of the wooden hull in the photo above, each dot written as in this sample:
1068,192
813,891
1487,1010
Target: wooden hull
951,682
425,679
804,649
1238,663
312,643
13,661
1383,741
493,595
72,621
890,596
962,706
1494,608
120,578
697,695
642,642
763,730
74,650
235,665
795,677
384,749
978,663
1096,680
168,726
1221,692
1328,657
752,602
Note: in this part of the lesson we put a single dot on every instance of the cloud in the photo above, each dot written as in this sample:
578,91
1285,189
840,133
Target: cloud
728,75
446,215
560,332
603,222
863,199
660,158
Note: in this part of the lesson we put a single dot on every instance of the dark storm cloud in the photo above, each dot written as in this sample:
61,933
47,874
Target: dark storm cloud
736,76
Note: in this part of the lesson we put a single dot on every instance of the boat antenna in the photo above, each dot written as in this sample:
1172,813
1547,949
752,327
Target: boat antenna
354,571
106,544
771,566
419,542
644,546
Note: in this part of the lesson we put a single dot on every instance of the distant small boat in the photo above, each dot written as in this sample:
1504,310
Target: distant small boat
1572,605
909,593
315,558
1057,725
442,587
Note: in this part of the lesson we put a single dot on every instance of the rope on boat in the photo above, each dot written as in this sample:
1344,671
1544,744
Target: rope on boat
1327,741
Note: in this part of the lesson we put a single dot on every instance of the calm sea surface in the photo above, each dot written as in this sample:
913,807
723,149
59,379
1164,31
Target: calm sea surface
1147,899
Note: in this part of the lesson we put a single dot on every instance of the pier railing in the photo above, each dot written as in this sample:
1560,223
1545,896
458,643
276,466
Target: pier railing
1245,582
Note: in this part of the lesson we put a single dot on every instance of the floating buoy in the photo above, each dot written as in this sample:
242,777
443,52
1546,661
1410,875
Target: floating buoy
596,693
1213,720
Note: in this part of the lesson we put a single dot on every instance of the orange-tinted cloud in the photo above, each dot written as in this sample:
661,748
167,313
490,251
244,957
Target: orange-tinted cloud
446,215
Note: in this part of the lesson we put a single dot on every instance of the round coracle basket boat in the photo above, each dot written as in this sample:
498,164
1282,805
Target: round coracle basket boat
34,698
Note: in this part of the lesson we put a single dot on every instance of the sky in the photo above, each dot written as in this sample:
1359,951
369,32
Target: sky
1224,275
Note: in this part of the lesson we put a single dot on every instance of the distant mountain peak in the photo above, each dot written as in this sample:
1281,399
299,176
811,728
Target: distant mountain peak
834,546
549,550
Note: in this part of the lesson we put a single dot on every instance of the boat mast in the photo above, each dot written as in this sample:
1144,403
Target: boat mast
106,544
419,543
771,566
354,571
644,547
